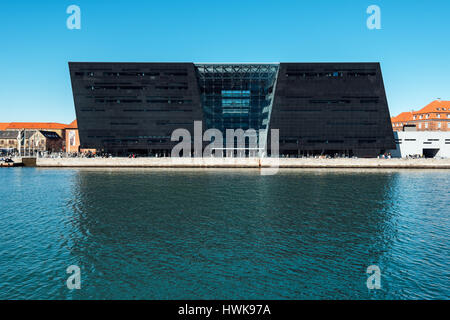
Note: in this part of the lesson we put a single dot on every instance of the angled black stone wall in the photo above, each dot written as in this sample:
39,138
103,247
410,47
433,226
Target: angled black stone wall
332,108
134,107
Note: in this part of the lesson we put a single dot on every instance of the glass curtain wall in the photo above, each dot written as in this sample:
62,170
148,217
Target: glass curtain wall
237,96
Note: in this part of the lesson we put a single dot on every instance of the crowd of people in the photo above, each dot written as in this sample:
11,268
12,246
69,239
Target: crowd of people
385,156
90,154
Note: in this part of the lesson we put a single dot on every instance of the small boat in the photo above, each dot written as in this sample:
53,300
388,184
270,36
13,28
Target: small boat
7,163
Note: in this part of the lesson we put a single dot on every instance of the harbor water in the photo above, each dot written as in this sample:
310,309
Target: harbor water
224,234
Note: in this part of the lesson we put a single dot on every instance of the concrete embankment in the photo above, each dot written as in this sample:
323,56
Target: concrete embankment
243,163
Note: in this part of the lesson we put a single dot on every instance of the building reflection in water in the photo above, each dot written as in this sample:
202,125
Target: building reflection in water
231,234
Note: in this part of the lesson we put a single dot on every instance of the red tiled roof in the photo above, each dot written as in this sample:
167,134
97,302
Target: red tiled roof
73,125
434,106
37,125
431,108
403,117
4,125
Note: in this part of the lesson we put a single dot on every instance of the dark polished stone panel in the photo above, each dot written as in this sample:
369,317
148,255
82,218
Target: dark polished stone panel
326,108
134,107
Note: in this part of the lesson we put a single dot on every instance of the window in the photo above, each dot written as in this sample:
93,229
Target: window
428,116
414,117
448,115
235,93
239,99
331,101
420,117
176,73
438,115
439,124
448,125
420,126
235,102
426,125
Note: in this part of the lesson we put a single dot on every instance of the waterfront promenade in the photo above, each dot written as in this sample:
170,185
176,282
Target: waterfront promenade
243,163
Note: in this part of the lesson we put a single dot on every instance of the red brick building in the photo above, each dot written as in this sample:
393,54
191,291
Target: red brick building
59,129
72,138
433,117
67,133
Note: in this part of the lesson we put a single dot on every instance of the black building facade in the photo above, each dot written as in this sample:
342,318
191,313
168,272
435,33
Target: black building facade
319,108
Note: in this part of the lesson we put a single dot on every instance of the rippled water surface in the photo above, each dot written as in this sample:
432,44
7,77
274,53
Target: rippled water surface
185,234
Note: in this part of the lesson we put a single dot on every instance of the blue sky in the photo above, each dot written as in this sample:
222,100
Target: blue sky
413,45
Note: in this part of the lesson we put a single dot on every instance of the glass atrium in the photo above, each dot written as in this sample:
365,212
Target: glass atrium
237,96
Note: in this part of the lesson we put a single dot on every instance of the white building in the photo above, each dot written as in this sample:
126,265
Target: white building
430,144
